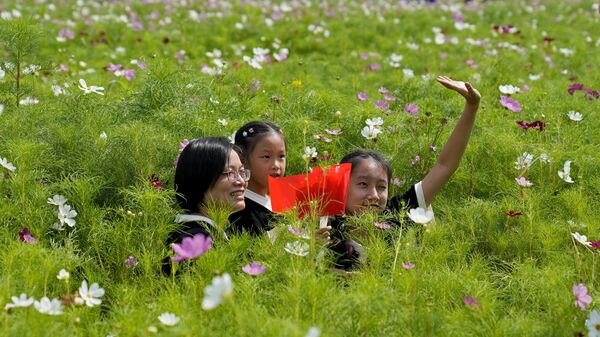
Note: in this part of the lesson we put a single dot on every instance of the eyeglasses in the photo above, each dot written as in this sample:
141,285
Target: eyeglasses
233,175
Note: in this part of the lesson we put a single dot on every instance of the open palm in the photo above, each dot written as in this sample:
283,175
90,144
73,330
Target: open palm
464,88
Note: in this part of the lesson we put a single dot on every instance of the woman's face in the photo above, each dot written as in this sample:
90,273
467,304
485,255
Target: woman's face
368,188
226,191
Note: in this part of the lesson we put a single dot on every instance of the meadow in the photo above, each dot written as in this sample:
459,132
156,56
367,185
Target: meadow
96,98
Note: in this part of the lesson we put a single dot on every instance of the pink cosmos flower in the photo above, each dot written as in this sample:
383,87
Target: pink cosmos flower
26,236
382,105
130,262
66,33
539,125
334,132
411,109
364,56
362,96
389,98
408,265
471,64
374,66
510,104
129,74
581,296
382,90
114,67
573,87
443,55
381,225
254,268
141,65
591,94
595,244
471,301
63,67
416,160
398,182
521,181
191,248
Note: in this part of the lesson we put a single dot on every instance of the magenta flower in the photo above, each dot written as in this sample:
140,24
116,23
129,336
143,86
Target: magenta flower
523,182
381,225
471,302
510,104
362,96
191,247
26,236
595,244
539,125
374,66
573,87
114,67
581,296
141,65
364,56
472,64
382,90
411,109
408,265
591,94
382,105
129,74
389,98
254,268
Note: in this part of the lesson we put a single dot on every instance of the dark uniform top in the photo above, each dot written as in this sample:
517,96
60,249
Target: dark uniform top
255,218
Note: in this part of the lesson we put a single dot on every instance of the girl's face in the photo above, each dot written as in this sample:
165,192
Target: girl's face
226,191
268,158
368,188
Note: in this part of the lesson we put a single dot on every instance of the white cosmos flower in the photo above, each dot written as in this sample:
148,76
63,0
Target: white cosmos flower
168,319
57,200
566,52
377,121
565,174
9,166
296,248
63,275
524,161
92,295
508,89
420,215
408,73
1,108
45,306
66,215
370,132
581,239
222,121
313,332
253,62
29,101
217,292
544,158
535,77
593,324
103,135
575,116
309,152
92,89
21,301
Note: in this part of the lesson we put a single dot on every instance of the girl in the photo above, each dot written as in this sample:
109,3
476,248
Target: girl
264,150
372,174
209,171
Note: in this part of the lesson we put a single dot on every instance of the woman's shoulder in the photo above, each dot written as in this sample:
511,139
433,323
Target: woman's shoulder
189,229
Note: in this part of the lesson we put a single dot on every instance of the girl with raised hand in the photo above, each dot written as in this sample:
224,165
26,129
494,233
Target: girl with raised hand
209,172
371,175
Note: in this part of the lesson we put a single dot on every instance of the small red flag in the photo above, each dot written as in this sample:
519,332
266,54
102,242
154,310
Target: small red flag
326,187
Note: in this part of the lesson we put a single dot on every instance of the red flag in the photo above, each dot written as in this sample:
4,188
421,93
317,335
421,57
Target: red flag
326,188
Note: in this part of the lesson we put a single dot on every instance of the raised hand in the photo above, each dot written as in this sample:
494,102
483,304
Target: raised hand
464,88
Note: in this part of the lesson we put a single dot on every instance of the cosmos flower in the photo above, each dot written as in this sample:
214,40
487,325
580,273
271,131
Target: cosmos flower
510,104
565,174
254,268
216,293
582,299
168,319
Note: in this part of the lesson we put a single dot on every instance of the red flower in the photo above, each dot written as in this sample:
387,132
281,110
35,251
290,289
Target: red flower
513,213
155,182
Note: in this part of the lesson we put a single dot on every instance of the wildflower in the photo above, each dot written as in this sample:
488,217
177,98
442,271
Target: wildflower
581,296
334,132
29,101
309,153
382,90
432,147
57,200
254,86
254,268
154,180
523,182
472,64
282,55
595,244
581,239
191,248
26,236
92,89
510,104
130,262
395,60
573,87
374,66
362,96
524,161
416,160
297,84
1,108
296,231
313,332
21,301
565,174
45,306
544,158
411,109
168,319
382,105
297,248
377,121
389,98
420,215
408,73
220,289
593,324
575,116
508,89
66,215
370,132
471,302
381,225
91,296
63,275
408,265
539,125
534,77
398,182
222,121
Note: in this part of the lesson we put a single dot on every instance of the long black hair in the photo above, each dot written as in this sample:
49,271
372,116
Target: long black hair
200,165
357,156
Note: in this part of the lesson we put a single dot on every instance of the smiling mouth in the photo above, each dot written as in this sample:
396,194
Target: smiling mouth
237,194
276,175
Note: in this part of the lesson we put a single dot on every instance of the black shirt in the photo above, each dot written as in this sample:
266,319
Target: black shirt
187,229
254,218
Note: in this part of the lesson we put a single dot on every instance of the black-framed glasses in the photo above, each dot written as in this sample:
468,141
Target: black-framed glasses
232,175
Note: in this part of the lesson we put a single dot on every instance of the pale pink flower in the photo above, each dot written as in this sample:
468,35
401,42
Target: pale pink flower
582,299
254,268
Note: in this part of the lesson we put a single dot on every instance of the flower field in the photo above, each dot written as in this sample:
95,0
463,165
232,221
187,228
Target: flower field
97,98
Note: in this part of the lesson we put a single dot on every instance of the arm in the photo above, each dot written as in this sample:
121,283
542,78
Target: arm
452,152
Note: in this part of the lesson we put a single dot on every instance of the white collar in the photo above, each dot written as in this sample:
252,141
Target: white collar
181,218
259,199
